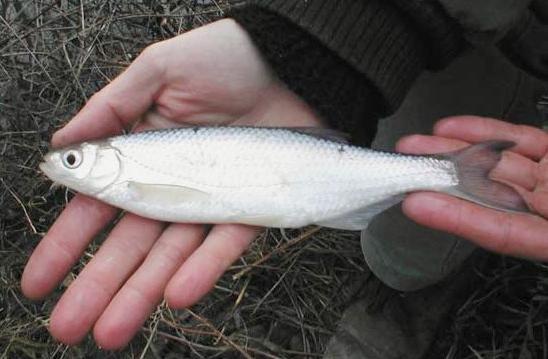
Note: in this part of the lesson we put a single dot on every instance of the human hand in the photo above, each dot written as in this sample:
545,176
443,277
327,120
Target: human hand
212,75
525,168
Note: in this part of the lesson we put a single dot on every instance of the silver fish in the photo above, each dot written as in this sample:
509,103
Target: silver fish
276,177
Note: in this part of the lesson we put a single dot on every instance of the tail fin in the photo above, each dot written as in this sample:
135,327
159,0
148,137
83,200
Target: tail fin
473,166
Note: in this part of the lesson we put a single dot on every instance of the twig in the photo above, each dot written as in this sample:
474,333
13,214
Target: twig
273,287
223,337
183,340
281,248
152,333
30,53
14,195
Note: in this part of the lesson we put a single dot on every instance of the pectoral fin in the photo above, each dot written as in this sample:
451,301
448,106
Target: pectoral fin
166,194
359,219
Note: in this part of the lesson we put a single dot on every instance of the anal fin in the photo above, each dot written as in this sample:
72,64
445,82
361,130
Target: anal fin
359,219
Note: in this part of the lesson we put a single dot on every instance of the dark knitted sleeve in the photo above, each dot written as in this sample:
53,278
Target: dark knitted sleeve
353,61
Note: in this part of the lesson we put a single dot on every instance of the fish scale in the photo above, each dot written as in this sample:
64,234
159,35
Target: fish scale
275,177
260,156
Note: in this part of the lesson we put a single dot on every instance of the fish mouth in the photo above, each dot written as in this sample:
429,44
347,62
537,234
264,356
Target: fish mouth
49,171
45,168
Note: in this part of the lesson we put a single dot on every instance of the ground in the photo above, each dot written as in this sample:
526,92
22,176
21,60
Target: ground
282,299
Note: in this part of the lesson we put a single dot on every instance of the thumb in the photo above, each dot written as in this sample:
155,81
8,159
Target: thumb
119,103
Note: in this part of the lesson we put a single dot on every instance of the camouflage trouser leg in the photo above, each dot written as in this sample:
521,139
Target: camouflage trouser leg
406,256
402,254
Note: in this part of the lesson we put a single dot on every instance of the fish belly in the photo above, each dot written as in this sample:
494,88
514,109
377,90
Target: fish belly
261,177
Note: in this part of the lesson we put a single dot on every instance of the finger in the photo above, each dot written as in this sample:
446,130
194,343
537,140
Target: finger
531,142
224,244
119,103
423,144
87,297
64,243
517,169
136,300
538,200
513,167
521,235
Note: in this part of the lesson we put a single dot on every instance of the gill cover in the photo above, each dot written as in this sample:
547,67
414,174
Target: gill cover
87,168
107,167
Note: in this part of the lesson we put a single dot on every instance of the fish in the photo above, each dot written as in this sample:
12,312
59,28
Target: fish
272,177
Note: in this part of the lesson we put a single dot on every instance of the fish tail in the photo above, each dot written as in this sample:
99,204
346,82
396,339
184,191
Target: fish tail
473,165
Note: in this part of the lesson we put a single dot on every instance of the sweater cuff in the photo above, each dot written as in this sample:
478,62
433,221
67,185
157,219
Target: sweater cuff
373,36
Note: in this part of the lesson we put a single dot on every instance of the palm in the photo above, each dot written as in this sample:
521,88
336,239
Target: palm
221,89
186,80
274,106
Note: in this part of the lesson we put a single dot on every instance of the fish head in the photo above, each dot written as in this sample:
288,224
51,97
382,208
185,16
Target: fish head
88,168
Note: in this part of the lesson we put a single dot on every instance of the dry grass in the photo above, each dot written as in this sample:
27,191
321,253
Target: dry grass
281,300
505,317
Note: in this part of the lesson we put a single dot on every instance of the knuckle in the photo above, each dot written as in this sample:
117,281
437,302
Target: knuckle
222,260
94,282
457,226
545,145
106,98
153,58
539,202
102,98
239,236
170,253
151,51
148,295
520,132
132,250
440,125
459,220
62,249
503,243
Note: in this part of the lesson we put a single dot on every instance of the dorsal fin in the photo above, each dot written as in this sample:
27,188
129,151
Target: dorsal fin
323,133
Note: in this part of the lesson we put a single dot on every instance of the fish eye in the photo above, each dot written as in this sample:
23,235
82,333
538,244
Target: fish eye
72,159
